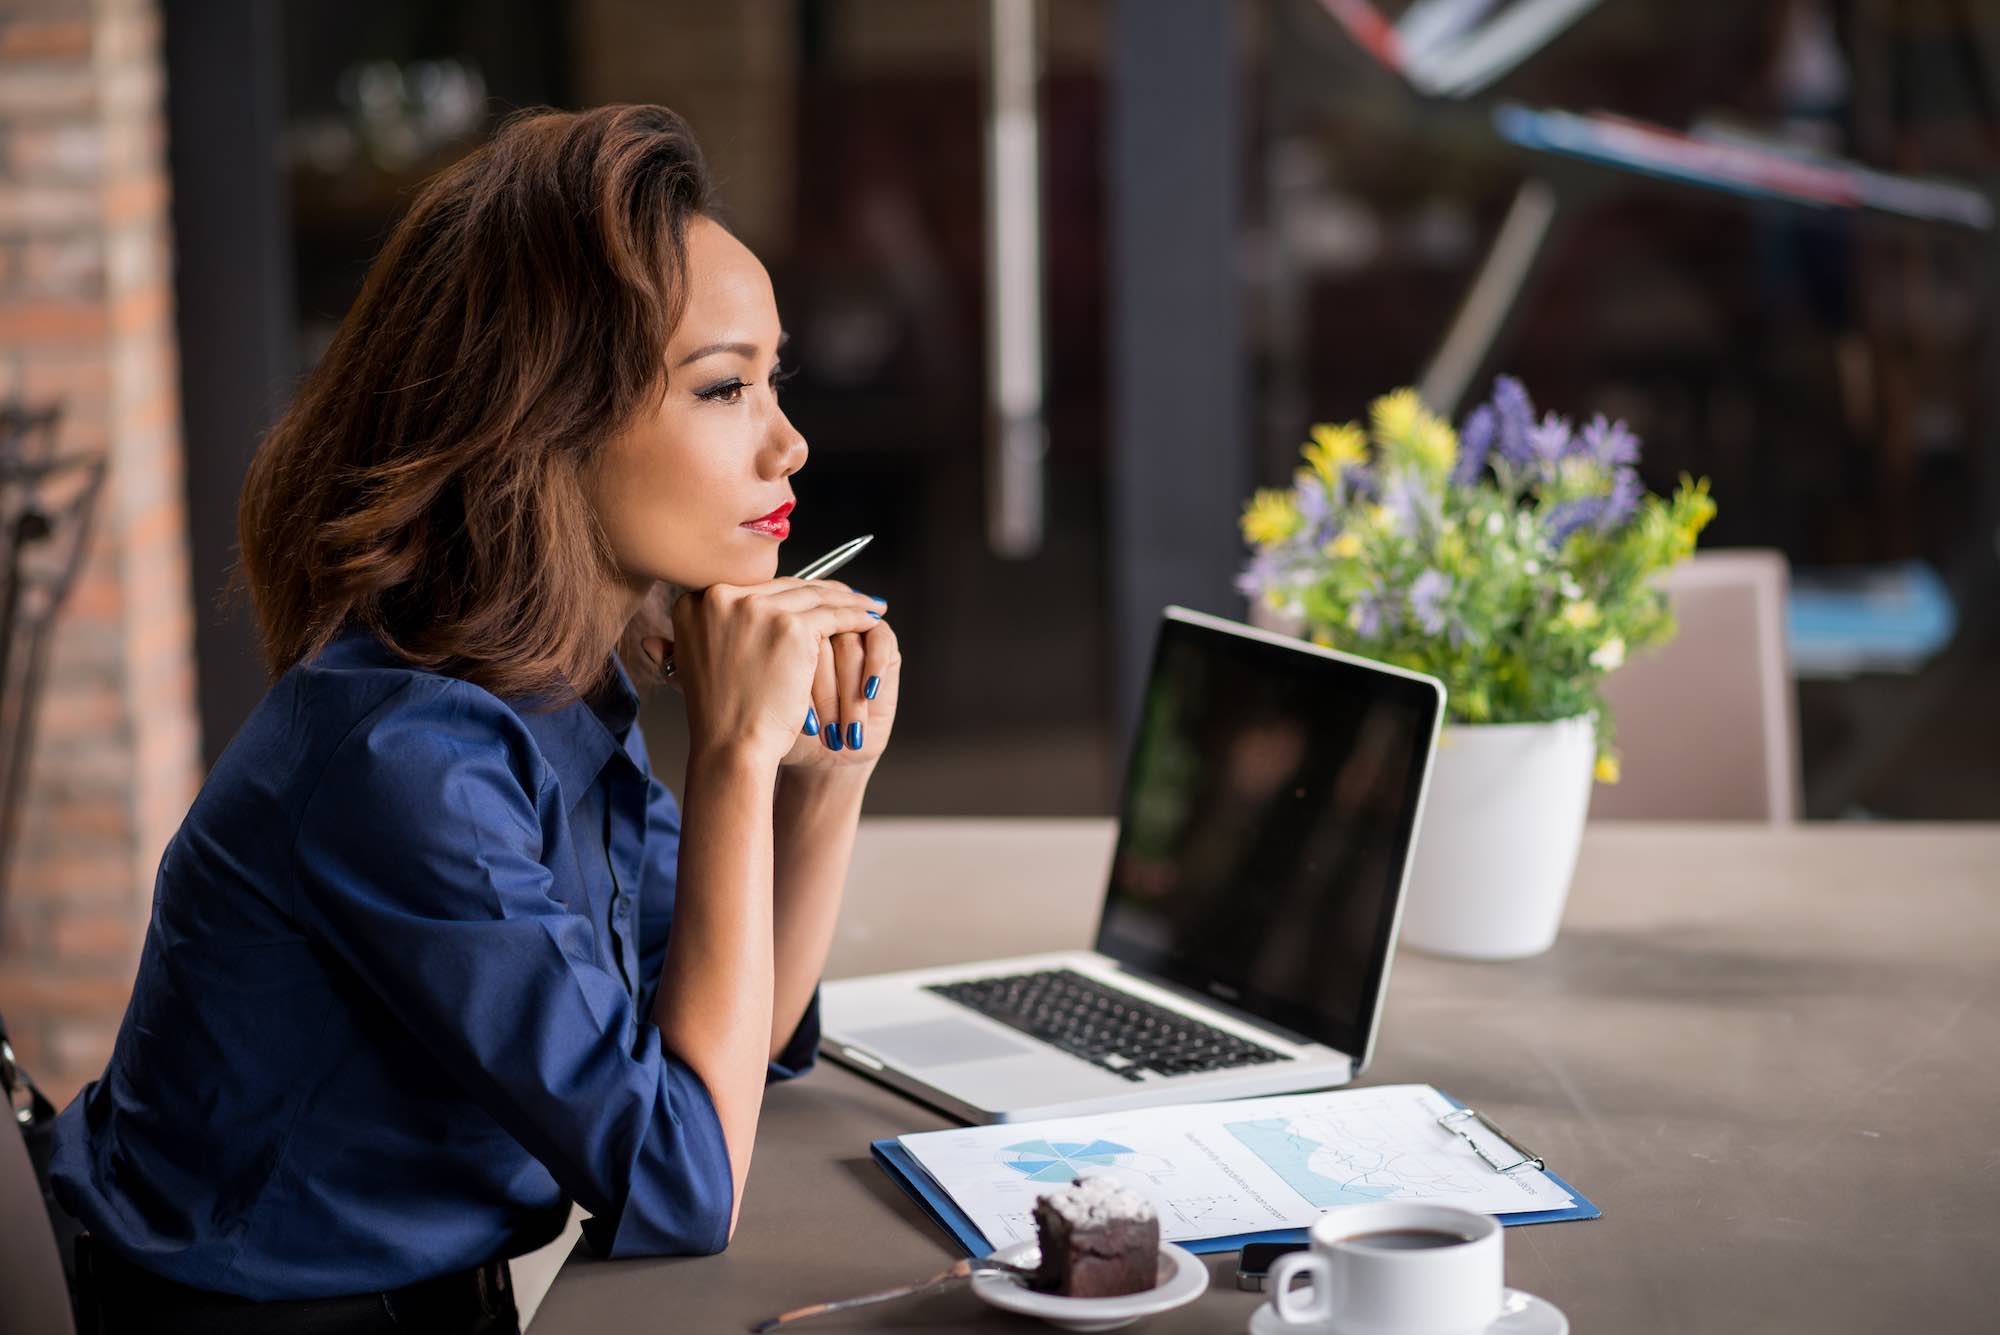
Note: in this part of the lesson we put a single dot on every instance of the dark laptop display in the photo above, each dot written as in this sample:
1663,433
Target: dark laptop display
1269,808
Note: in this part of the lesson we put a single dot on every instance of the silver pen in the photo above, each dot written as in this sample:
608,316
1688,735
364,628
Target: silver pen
835,559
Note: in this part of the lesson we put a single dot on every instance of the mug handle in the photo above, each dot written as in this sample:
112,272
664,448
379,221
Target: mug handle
1318,1307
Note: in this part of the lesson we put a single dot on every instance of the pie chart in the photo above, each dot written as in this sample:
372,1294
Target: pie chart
1062,1160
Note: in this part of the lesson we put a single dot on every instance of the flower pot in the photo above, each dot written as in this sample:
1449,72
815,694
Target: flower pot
1500,834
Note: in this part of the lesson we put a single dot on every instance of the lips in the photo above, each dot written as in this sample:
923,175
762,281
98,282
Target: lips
776,524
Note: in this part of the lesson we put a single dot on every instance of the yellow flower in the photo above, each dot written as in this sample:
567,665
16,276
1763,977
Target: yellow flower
1395,416
1606,769
1435,446
1333,448
1410,432
1323,638
1345,547
1579,615
1270,517
1610,655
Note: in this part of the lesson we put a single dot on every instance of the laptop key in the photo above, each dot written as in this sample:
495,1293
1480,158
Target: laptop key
1115,1030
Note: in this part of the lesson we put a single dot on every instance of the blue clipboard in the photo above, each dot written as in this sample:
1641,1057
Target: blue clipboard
906,1173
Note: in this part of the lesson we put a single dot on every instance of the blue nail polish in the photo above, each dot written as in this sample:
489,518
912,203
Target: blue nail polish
876,615
812,722
874,685
832,737
854,736
873,599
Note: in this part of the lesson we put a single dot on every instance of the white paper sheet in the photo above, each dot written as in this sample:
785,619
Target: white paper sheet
1217,1169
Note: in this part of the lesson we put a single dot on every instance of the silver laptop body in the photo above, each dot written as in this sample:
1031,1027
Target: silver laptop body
1271,806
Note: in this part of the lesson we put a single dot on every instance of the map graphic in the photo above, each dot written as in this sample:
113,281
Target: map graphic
1062,1160
1335,1160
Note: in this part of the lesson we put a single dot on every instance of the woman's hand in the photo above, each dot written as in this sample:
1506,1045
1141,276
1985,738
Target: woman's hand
854,701
747,656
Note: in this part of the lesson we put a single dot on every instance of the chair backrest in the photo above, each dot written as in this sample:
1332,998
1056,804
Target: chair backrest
34,1297
1707,724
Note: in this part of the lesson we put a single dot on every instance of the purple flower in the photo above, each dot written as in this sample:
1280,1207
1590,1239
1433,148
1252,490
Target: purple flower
1411,502
1263,572
1360,482
1550,440
1516,414
1570,516
1475,438
1373,615
1427,593
1626,489
1310,496
1611,444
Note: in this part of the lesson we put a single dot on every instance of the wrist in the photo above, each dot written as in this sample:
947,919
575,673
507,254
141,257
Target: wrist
730,761
828,784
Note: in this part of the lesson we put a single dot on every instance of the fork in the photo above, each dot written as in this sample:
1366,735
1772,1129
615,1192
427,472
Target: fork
958,1270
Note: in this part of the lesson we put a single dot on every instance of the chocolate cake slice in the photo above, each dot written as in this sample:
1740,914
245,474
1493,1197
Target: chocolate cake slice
1099,1240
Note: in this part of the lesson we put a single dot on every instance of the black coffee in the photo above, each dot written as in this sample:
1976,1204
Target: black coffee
1407,1239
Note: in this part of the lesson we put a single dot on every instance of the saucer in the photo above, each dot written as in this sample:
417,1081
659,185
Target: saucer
1520,1314
1183,1278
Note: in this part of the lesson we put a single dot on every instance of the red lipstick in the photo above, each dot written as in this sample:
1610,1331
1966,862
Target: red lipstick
776,524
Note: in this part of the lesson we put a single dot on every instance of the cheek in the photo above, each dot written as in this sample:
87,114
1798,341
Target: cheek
668,508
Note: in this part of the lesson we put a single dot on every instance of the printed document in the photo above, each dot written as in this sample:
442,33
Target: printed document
1219,1169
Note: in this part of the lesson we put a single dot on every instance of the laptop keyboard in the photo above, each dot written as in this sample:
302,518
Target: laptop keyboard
1104,1025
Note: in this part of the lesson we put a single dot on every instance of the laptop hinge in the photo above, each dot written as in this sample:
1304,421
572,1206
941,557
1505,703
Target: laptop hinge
1212,1003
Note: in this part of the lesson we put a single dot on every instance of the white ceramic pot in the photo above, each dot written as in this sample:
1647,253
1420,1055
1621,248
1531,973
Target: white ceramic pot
1499,839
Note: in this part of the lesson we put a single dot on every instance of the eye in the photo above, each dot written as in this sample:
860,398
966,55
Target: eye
723,391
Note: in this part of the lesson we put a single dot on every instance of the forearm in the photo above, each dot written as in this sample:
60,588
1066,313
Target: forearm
714,1005
816,816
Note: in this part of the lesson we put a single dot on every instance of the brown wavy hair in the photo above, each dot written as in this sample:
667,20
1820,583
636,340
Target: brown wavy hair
428,483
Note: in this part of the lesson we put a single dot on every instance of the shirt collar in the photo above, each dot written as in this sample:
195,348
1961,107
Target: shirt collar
580,736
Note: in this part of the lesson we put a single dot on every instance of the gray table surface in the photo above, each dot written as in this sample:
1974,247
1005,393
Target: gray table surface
1771,1055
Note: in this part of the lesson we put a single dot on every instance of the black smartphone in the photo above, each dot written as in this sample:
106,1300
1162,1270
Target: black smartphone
1254,1262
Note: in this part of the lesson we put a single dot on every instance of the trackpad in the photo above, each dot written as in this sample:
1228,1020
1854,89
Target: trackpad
938,1043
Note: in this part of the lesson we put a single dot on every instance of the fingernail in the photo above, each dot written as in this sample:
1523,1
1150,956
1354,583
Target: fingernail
874,685
876,615
854,736
812,722
873,599
832,738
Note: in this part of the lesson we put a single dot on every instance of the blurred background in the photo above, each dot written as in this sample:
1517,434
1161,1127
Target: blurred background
1065,280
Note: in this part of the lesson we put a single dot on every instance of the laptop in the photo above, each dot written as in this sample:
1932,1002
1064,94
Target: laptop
1270,807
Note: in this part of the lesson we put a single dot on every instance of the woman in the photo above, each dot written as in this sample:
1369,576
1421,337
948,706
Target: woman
431,956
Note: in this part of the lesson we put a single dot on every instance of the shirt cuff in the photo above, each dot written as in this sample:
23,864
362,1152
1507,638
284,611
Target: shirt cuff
801,1051
682,1190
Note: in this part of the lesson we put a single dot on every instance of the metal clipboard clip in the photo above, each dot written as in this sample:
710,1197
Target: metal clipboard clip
1454,1122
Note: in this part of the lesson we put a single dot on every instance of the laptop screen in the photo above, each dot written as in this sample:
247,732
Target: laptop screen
1268,814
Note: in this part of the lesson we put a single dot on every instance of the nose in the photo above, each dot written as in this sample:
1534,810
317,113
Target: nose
787,449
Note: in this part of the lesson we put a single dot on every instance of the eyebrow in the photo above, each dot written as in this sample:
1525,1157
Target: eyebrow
744,350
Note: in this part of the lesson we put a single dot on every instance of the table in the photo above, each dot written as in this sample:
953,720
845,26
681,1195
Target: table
1768,1053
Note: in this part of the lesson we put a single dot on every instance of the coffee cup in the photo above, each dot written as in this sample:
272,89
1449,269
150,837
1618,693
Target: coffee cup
1394,1268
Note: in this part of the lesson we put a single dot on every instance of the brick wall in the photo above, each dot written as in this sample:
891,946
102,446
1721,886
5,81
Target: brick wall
86,316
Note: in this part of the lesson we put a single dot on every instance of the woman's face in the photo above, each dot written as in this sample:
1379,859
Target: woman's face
679,491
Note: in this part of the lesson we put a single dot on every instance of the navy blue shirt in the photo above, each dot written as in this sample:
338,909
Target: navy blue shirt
393,1010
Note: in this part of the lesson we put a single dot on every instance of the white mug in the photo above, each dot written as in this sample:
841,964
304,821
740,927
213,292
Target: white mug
1365,1284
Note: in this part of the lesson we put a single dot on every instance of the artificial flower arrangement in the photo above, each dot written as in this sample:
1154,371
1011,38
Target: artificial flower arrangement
1513,559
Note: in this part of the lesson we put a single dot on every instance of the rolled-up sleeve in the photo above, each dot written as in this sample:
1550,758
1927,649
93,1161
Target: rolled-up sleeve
656,923
421,858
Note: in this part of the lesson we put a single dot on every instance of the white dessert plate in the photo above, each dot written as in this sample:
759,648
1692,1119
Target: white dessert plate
1183,1278
1520,1314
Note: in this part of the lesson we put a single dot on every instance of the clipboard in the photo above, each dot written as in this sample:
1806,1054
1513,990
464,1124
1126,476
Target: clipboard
906,1173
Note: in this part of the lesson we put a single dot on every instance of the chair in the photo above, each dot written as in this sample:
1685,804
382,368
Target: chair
34,1296
1707,724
